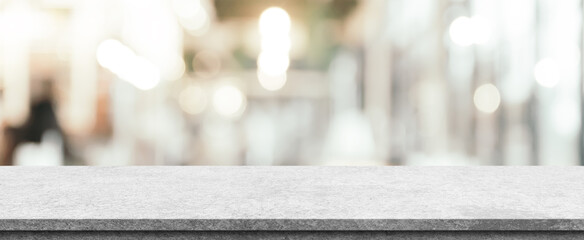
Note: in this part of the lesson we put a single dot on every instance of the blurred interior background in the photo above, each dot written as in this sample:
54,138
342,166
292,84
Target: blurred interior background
291,82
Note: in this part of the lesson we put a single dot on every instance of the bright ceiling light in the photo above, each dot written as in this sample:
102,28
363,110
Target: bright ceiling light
273,64
274,21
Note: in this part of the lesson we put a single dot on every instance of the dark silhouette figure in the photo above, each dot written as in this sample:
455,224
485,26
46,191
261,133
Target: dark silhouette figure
41,118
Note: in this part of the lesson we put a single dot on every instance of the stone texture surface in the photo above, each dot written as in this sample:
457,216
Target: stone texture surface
261,235
292,198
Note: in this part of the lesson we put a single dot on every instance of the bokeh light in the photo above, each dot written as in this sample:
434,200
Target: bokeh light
273,64
461,31
122,61
465,31
175,68
187,8
487,98
112,54
481,30
276,43
274,21
197,25
278,83
274,59
141,73
272,82
192,16
229,101
547,72
193,100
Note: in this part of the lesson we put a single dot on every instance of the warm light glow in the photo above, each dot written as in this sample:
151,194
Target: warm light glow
274,21
280,44
465,31
113,55
547,73
229,101
273,64
460,31
21,18
142,73
193,100
271,83
481,30
81,110
175,68
17,25
274,59
122,61
187,8
198,24
192,16
487,98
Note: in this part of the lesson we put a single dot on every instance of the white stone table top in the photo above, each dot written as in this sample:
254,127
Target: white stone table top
291,198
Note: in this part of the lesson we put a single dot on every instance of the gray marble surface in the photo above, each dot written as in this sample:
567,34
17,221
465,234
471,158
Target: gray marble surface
292,198
292,235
